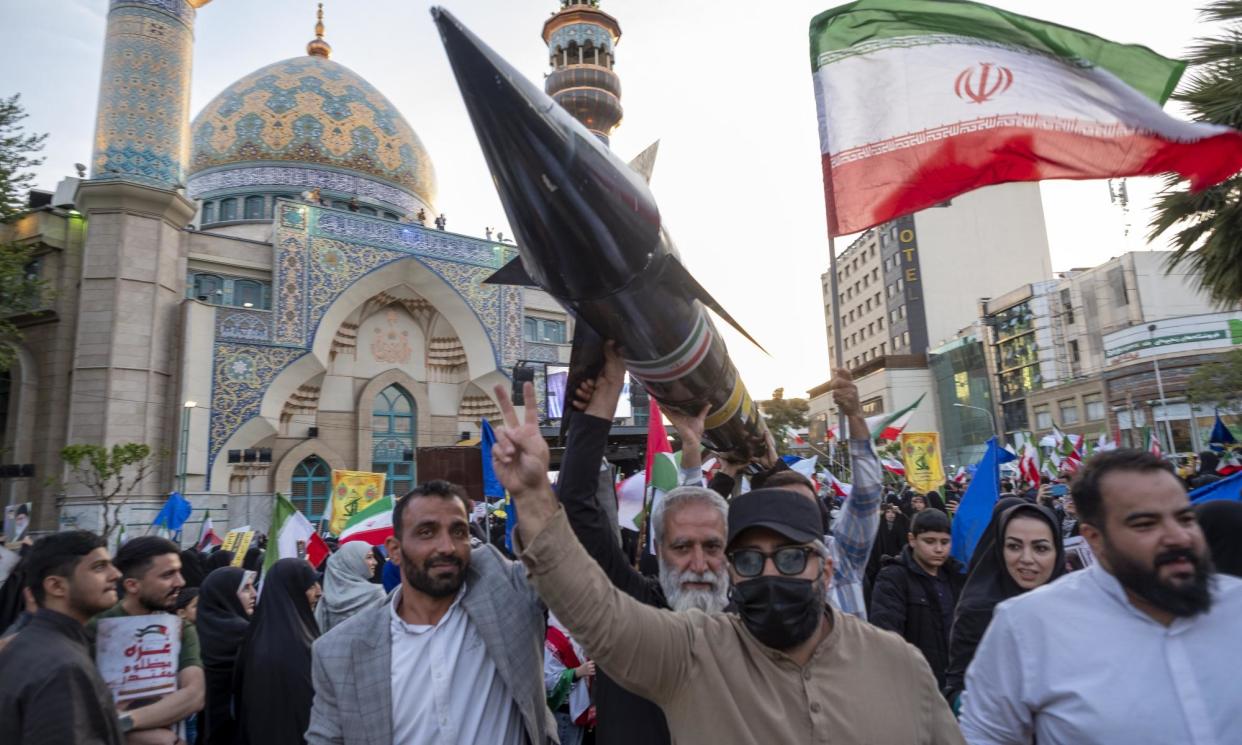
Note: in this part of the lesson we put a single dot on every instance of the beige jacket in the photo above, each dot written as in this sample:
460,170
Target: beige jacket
718,685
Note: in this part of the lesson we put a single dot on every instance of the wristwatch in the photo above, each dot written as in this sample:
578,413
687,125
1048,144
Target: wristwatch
127,722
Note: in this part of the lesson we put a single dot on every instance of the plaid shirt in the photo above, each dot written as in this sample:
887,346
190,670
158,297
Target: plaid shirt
854,530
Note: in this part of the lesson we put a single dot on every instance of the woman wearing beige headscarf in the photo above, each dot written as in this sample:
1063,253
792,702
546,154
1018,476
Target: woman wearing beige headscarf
347,586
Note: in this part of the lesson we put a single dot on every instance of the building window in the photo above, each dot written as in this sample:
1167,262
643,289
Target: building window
228,209
883,347
1073,351
1069,308
392,434
1094,404
209,213
1043,417
209,288
254,208
312,484
392,216
364,210
543,330
1069,411
248,293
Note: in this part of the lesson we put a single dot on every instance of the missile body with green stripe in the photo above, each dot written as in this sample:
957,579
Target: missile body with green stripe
590,235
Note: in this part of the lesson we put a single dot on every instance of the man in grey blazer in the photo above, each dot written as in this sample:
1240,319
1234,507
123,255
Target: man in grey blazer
455,656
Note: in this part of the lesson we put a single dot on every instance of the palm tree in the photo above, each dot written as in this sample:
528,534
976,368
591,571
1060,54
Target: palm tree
1208,224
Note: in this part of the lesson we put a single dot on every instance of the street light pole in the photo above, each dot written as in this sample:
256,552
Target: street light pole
1168,426
991,416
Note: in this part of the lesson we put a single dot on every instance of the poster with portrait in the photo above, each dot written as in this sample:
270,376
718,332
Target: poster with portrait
1078,554
16,522
137,655
920,452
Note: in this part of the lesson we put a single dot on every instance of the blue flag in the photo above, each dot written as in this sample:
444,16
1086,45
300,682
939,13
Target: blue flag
491,485
1221,434
1229,487
975,511
174,514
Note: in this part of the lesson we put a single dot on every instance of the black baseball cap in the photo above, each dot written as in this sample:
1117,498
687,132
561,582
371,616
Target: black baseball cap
789,513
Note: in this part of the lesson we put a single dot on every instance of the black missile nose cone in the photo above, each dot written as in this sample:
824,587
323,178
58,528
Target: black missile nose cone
585,222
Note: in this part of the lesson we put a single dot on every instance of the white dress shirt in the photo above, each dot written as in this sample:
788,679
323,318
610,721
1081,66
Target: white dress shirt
1075,662
445,690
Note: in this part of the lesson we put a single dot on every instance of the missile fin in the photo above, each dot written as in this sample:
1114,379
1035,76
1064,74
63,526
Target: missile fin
586,359
513,273
677,274
644,163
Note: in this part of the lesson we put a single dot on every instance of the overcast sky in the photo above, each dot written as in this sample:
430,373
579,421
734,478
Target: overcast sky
724,85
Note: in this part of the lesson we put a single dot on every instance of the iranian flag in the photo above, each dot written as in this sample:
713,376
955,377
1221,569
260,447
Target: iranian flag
372,525
1153,443
1028,464
293,535
894,466
839,487
207,534
885,426
922,100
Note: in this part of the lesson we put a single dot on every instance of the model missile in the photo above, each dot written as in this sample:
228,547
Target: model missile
590,235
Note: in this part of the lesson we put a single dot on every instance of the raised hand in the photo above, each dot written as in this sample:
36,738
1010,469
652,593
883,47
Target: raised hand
599,397
520,455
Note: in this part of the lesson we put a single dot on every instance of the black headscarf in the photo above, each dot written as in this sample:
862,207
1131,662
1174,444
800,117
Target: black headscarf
222,623
891,538
218,560
273,678
193,567
987,540
253,560
1222,526
989,583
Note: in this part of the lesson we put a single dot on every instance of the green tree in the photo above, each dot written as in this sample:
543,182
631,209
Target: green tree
19,292
1208,224
16,149
112,474
784,414
1219,383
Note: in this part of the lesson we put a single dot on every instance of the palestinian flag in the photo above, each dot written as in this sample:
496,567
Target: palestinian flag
922,100
293,535
372,525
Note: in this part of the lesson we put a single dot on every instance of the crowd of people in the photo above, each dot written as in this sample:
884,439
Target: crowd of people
769,615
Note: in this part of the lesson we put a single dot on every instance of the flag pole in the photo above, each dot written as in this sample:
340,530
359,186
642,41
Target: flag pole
838,344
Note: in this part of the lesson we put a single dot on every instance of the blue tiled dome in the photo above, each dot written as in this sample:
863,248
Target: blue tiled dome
309,122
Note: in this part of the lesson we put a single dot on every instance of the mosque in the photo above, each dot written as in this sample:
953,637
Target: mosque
262,295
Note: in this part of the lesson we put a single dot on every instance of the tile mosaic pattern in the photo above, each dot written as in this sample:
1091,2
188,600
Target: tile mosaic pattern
299,179
144,93
319,254
312,110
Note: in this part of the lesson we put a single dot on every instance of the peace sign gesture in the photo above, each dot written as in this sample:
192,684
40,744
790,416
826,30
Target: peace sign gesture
520,455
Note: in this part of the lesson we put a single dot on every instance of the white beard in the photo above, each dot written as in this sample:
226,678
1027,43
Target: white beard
681,599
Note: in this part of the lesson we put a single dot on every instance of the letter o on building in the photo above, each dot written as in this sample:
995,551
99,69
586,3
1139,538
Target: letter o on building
906,236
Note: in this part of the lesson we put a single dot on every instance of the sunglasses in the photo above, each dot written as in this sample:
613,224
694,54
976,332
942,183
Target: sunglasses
790,560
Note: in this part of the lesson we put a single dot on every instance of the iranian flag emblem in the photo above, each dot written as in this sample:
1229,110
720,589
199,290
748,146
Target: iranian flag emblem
922,100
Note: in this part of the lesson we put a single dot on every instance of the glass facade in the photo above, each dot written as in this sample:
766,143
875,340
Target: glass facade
960,374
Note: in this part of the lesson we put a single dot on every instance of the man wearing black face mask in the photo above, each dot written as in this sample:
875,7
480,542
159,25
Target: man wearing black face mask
785,669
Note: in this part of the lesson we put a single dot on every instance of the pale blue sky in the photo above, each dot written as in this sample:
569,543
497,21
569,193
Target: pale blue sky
725,86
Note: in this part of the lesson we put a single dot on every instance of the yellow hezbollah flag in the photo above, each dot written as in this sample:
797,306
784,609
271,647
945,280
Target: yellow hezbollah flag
353,492
920,451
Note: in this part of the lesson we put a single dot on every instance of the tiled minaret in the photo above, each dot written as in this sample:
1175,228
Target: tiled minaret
581,39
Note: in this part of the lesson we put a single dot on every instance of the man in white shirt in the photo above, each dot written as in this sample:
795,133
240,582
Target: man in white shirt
455,657
1140,648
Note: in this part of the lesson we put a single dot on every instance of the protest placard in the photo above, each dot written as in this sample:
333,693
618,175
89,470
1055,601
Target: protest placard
137,655
16,520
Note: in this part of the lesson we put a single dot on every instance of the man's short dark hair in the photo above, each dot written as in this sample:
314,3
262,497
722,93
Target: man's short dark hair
930,520
57,555
434,488
137,555
782,479
1085,489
